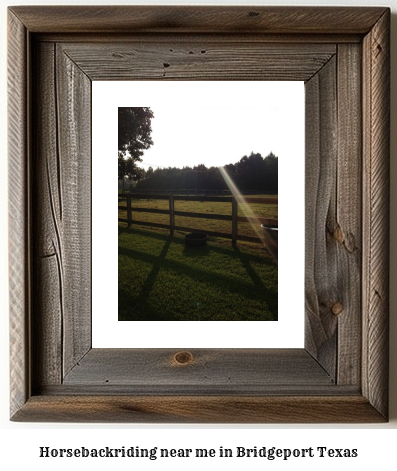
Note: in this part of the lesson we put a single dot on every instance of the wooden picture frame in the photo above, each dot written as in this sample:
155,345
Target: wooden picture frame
342,54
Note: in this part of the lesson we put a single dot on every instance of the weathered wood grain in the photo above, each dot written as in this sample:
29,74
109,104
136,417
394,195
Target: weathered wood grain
376,107
199,19
320,272
205,60
19,223
47,329
47,317
199,409
62,208
206,367
50,131
347,225
196,39
73,90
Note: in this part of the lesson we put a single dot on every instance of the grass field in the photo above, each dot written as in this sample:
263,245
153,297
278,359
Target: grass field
162,279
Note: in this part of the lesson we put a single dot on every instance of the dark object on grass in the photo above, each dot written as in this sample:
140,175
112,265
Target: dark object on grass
196,239
270,236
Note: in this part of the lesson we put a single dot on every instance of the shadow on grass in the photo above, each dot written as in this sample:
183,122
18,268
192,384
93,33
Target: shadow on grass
256,279
145,311
226,283
199,251
194,252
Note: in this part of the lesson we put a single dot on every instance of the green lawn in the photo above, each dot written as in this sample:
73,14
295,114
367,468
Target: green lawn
162,279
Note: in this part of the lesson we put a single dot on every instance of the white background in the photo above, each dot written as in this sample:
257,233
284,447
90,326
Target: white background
20,442
283,103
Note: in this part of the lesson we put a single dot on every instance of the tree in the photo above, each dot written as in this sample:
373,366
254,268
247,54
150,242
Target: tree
252,172
257,173
134,138
149,172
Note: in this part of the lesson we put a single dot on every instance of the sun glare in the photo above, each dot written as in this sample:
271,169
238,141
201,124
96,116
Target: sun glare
249,214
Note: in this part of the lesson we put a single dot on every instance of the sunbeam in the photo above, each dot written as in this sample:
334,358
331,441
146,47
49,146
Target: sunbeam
268,236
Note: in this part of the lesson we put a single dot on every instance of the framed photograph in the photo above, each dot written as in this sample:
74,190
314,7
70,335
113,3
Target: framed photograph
198,129
342,56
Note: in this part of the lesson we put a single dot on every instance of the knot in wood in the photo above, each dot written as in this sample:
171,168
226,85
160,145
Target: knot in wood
337,308
338,235
183,358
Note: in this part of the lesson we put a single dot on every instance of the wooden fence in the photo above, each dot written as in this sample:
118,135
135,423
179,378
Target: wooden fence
233,218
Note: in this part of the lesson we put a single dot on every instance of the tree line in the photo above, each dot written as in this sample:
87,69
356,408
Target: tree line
252,172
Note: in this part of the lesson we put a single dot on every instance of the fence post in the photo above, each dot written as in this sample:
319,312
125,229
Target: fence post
129,212
172,217
234,220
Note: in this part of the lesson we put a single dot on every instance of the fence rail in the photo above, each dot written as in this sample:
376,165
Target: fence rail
234,218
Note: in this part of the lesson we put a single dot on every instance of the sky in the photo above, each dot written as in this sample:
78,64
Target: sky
224,128
214,123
